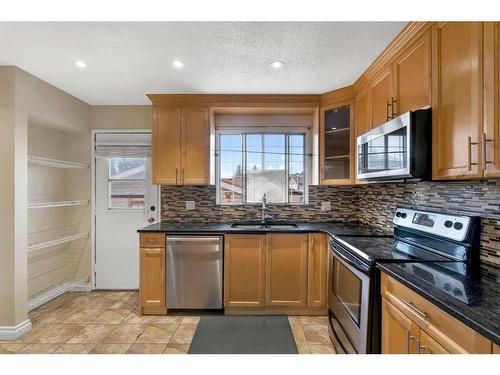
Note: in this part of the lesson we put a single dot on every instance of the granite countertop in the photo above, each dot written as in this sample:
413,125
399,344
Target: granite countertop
472,298
331,228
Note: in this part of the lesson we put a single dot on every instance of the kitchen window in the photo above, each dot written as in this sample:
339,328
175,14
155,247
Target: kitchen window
253,162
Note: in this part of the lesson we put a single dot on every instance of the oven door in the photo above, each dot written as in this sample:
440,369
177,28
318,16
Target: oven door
349,293
384,152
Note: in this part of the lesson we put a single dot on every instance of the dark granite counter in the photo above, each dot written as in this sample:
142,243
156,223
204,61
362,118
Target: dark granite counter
331,228
472,298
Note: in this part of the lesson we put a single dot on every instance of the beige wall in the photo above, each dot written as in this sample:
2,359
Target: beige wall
121,117
13,200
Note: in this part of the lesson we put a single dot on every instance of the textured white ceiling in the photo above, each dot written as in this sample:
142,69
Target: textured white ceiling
128,60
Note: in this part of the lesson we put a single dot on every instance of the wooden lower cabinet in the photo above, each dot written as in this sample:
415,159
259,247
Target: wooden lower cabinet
399,333
286,269
244,270
412,324
276,273
152,290
317,269
427,345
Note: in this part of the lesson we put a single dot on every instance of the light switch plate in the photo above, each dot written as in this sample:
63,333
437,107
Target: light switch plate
190,205
326,206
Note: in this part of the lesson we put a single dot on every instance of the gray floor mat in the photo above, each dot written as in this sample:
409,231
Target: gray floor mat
243,335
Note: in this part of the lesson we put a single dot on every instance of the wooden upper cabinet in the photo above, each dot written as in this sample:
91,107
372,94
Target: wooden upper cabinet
399,333
411,76
244,270
195,150
491,138
337,144
317,265
166,140
380,98
152,288
286,269
362,112
180,145
457,98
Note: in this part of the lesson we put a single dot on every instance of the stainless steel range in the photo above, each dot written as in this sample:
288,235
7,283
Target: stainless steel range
353,289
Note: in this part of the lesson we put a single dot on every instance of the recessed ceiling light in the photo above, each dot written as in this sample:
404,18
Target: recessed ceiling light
276,64
178,64
80,64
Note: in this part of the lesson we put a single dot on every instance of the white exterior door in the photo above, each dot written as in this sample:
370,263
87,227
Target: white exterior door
125,200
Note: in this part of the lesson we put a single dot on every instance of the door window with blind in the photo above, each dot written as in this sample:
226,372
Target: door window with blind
253,162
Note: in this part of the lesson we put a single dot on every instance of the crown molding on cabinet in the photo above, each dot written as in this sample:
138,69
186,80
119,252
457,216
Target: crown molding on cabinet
241,100
411,31
340,95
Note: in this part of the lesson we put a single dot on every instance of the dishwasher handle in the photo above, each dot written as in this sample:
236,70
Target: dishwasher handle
193,239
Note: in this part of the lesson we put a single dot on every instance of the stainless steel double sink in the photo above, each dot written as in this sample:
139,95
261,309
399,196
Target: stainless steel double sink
265,226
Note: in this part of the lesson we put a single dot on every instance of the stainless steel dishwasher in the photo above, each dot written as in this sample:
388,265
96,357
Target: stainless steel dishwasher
194,272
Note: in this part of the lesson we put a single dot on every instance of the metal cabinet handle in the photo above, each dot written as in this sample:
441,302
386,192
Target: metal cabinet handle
408,341
176,175
419,347
423,314
470,144
387,111
393,105
485,142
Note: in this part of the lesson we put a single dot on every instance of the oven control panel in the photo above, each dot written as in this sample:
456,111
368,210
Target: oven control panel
453,227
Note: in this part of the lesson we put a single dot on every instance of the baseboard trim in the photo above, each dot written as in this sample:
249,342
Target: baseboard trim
55,292
13,333
81,287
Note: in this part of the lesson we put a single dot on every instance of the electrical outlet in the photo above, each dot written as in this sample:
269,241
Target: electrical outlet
326,206
190,205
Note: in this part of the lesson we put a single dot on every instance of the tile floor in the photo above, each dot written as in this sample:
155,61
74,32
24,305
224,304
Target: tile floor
109,322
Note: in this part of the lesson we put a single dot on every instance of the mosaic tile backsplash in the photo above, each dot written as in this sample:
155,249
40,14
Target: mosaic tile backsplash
372,204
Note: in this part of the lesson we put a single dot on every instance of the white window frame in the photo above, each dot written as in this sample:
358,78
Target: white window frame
110,180
266,130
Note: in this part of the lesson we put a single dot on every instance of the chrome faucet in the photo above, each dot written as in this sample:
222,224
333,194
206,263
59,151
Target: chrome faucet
264,216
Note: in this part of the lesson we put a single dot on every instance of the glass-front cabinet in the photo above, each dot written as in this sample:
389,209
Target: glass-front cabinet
337,144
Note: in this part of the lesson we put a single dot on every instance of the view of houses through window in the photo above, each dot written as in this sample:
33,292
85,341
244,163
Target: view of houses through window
253,164
126,183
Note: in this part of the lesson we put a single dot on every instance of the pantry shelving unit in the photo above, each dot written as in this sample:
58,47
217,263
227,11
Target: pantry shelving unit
58,213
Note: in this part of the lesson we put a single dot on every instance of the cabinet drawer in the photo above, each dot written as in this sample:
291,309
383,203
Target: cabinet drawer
152,239
453,335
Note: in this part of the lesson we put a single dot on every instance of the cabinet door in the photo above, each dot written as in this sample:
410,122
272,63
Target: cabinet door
380,96
166,145
152,280
362,112
457,100
427,345
411,76
337,144
317,265
244,270
195,133
491,139
286,269
399,333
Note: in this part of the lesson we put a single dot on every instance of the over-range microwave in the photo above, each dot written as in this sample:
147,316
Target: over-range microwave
399,149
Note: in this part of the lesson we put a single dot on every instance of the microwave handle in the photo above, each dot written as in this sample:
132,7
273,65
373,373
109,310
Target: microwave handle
351,262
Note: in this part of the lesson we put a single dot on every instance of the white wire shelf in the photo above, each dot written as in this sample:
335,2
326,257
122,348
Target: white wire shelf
58,204
46,162
57,241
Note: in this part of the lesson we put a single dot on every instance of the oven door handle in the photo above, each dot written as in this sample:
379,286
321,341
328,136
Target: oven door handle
350,261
